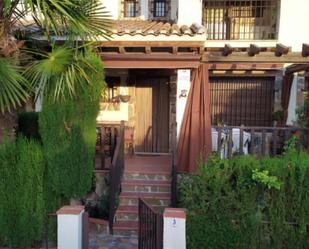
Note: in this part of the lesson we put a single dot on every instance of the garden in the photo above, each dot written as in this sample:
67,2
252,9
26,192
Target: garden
49,160
249,203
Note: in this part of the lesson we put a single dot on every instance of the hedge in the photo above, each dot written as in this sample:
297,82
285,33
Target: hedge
68,132
246,203
22,209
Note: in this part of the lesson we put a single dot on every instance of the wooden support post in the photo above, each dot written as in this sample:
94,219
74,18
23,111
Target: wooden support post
230,143
275,144
241,141
263,142
252,132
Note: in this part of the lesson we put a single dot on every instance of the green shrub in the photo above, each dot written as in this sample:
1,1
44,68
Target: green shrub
22,209
68,131
248,203
28,125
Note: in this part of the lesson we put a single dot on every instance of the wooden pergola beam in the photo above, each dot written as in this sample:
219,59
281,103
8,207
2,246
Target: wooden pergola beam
195,44
227,50
150,61
262,57
305,50
281,50
253,50
246,66
297,68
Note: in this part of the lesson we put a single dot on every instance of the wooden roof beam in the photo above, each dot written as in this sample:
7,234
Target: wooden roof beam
281,50
297,68
254,50
227,50
305,50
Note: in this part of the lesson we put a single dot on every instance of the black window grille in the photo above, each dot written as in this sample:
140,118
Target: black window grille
160,7
241,19
245,101
130,8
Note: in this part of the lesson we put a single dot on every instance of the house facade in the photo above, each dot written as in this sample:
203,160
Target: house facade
157,44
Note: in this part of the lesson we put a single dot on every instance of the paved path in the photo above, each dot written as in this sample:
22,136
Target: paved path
105,241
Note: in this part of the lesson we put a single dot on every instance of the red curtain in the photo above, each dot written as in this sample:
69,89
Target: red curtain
286,92
195,134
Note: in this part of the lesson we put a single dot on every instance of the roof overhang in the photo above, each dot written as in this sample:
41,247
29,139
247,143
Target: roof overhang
150,61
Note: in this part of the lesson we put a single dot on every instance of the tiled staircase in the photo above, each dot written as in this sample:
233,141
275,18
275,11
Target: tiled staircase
154,187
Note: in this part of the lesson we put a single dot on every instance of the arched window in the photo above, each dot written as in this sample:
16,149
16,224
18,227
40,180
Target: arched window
160,8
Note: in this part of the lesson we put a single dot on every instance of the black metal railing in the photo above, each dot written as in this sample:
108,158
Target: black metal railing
116,173
240,19
260,141
150,227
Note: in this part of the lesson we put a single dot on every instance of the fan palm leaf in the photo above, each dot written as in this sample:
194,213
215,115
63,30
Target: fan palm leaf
75,18
13,87
59,72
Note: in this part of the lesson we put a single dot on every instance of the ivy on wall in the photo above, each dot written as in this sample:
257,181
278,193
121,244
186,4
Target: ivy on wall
248,203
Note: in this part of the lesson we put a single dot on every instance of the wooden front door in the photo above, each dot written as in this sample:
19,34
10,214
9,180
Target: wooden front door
152,115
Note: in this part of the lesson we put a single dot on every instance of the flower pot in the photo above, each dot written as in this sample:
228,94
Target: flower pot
125,98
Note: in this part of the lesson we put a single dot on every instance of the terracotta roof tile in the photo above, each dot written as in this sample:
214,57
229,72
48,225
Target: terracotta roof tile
141,27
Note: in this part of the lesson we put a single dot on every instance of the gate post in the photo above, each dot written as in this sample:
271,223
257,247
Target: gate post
70,227
174,226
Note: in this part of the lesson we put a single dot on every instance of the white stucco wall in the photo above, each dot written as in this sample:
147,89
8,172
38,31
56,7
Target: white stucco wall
189,11
113,7
293,25
183,84
144,9
70,231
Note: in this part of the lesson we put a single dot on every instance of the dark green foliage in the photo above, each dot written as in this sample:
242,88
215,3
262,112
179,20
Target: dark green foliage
22,208
303,113
245,203
68,131
28,125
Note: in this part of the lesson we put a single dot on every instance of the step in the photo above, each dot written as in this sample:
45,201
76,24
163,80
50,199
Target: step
127,213
154,199
146,186
125,228
147,176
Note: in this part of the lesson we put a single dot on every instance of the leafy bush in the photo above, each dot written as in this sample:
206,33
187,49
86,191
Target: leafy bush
22,209
68,131
248,203
28,125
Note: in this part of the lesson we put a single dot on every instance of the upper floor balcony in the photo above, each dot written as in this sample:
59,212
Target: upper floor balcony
241,19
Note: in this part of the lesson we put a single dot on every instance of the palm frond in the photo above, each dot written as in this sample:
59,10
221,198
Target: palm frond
75,18
60,72
13,86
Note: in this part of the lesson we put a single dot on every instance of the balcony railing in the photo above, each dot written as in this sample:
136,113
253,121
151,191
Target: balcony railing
259,141
241,19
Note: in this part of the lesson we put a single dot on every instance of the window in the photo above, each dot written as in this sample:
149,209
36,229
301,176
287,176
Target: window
239,101
130,8
160,8
240,19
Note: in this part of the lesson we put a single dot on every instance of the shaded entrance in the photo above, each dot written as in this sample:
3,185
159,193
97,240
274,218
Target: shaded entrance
152,115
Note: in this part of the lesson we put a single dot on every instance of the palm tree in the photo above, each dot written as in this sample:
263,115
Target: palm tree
79,21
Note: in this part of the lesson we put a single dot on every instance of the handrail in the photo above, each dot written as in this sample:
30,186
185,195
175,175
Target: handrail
116,173
150,226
